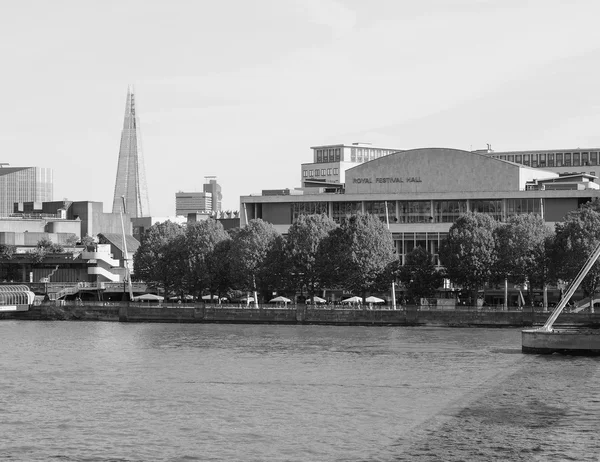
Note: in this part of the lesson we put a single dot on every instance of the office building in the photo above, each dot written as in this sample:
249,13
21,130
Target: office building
331,162
24,184
130,184
214,189
565,161
206,203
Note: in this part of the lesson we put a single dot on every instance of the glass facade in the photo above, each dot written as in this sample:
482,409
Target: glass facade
521,206
379,208
492,207
554,159
414,212
448,211
430,241
308,208
24,184
343,210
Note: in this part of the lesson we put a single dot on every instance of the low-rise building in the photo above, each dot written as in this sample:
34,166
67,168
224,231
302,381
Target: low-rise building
421,192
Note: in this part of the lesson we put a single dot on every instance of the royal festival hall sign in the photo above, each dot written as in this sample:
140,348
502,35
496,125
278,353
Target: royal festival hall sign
388,179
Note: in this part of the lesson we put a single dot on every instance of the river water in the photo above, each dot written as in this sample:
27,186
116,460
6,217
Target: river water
93,391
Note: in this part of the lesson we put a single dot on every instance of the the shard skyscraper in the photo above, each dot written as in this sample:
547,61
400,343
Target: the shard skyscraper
131,176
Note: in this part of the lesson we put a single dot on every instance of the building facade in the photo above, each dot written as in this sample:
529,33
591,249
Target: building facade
331,162
421,192
207,202
24,184
187,203
565,161
214,189
131,189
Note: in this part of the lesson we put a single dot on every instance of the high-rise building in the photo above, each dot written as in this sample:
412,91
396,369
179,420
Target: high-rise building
24,184
130,184
206,202
192,202
214,189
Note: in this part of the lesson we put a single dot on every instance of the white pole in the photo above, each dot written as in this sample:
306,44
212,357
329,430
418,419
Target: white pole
387,221
125,256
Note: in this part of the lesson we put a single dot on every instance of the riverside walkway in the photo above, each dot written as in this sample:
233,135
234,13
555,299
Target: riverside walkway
463,316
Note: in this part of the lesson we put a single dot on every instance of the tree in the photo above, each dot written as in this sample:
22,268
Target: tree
575,240
43,248
219,265
521,251
199,242
356,254
419,275
303,241
275,274
154,259
6,254
88,243
468,253
249,250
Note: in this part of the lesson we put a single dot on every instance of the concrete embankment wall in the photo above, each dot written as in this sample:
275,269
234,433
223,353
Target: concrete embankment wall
298,315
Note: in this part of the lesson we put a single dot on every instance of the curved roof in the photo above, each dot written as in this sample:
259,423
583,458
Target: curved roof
439,170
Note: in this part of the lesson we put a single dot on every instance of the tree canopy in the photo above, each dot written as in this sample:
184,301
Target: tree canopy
304,240
469,253
419,275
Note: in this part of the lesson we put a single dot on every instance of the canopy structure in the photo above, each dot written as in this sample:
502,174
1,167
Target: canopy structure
373,299
316,299
280,299
149,298
210,297
354,299
16,295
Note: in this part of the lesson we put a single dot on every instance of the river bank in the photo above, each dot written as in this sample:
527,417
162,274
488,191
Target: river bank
299,314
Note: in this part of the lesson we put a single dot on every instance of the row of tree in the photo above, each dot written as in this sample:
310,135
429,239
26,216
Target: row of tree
522,251
358,256
202,258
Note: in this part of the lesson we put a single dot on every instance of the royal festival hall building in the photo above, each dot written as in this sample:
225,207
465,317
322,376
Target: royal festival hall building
421,192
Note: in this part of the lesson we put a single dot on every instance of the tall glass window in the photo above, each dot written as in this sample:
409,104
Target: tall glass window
542,160
415,212
567,159
308,208
378,208
585,158
492,207
521,206
594,158
559,159
576,159
448,211
343,210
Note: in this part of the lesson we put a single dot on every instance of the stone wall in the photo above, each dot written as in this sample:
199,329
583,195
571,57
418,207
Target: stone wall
124,312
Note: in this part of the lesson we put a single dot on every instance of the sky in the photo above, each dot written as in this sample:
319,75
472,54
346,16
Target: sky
242,89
